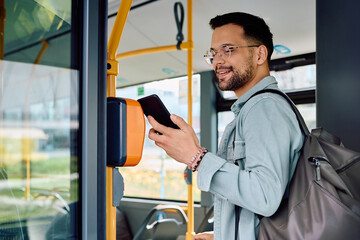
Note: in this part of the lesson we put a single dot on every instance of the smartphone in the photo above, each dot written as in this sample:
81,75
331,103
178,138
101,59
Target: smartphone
153,106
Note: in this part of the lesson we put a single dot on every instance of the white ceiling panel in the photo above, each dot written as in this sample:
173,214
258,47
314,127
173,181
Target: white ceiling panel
292,23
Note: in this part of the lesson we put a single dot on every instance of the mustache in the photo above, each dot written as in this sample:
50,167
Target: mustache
223,67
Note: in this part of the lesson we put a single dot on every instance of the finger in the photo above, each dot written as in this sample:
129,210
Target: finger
204,236
159,145
154,135
180,122
156,125
197,237
183,125
158,139
151,133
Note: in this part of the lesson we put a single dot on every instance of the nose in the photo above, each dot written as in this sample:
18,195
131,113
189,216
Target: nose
218,59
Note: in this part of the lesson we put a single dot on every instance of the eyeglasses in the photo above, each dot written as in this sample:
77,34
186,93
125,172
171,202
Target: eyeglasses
225,51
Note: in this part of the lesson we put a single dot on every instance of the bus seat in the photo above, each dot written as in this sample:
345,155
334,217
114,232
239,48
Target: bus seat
123,231
64,223
163,229
207,224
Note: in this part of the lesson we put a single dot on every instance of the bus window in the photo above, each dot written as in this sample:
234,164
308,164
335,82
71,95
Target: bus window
295,79
158,176
308,111
292,80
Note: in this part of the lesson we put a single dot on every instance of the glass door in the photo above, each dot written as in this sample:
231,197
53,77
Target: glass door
39,122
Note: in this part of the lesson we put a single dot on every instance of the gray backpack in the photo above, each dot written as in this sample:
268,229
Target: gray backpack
324,193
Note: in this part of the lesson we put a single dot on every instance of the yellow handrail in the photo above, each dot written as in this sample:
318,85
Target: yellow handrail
190,227
183,46
111,91
114,40
112,72
45,45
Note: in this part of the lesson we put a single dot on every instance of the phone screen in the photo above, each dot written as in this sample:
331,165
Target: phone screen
153,106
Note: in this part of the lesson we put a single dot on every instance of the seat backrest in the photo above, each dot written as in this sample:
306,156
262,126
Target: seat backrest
207,224
163,229
167,229
123,231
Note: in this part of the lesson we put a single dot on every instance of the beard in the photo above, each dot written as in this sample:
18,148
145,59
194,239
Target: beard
238,79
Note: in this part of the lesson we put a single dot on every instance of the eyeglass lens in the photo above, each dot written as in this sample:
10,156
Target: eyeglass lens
224,51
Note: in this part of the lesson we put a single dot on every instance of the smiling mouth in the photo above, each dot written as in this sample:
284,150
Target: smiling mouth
221,73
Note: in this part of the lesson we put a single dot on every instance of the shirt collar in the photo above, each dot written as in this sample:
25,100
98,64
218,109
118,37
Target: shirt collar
267,82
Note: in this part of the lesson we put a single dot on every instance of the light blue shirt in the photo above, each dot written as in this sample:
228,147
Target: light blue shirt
267,146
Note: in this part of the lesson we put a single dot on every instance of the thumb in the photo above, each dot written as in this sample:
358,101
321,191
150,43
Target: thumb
178,121
184,126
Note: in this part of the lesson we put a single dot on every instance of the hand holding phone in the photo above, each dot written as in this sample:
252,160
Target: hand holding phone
153,106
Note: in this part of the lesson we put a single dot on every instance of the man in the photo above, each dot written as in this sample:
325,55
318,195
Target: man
264,139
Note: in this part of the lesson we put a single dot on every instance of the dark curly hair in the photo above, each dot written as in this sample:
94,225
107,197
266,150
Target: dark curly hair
255,28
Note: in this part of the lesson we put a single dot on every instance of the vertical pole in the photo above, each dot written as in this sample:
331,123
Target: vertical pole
110,209
112,72
26,159
45,45
190,213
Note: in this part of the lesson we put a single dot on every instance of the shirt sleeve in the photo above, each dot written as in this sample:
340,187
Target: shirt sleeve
272,142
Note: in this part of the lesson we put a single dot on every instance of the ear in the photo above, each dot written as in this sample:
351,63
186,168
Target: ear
262,54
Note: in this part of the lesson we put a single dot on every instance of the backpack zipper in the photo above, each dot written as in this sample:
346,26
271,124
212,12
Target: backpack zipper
348,165
316,162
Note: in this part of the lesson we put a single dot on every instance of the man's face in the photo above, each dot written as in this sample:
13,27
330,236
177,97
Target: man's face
237,70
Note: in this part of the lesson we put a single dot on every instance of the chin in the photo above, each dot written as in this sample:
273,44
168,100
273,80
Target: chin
223,86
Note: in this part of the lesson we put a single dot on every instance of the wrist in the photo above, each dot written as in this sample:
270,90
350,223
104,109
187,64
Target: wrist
193,160
196,164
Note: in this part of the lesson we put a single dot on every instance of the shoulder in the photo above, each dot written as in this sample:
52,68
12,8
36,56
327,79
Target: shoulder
266,102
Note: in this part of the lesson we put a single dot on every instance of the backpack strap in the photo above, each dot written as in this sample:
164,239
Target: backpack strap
300,119
237,219
303,127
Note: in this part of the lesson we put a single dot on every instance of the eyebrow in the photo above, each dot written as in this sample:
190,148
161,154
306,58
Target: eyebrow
225,45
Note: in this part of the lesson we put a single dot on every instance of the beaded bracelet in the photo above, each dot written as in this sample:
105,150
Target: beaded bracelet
194,158
200,158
